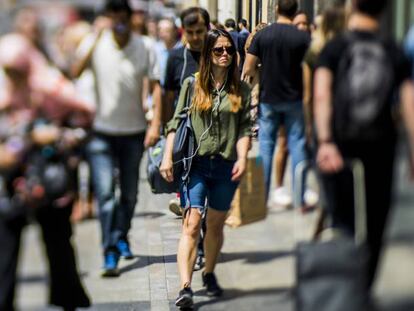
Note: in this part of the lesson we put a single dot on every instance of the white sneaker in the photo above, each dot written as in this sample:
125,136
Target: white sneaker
311,197
281,197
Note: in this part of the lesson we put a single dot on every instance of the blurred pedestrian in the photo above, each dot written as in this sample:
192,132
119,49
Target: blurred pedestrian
220,113
280,49
301,21
33,91
215,24
353,114
120,62
254,81
243,28
230,25
281,196
243,35
28,23
152,28
168,40
332,23
409,46
138,19
72,37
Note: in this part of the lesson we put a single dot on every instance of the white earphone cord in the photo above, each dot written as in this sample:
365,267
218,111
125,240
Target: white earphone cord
216,106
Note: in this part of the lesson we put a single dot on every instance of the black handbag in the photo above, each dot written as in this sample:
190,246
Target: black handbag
183,149
331,273
184,141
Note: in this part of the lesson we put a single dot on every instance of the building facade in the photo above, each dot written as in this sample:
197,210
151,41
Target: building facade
399,15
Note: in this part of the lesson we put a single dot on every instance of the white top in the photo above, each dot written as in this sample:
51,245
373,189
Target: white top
119,75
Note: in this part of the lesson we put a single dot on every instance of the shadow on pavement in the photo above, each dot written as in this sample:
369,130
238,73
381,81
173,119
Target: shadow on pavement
121,306
401,238
143,261
402,305
151,215
255,257
40,278
260,299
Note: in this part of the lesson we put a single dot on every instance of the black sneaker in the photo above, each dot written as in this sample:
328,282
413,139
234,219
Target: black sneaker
185,298
212,287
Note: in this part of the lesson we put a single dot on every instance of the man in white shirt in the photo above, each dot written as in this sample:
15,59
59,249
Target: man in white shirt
120,61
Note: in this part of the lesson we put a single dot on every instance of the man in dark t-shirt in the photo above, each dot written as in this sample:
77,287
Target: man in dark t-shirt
280,49
183,61
376,151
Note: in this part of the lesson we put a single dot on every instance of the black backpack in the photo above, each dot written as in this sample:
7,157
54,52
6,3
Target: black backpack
50,170
362,90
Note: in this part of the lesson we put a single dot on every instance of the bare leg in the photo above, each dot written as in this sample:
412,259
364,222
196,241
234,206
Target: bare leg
281,156
214,238
187,247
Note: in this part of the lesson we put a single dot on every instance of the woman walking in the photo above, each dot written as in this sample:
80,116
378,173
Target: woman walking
221,122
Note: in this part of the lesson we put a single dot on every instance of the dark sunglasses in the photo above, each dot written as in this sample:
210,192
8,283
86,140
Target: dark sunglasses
220,50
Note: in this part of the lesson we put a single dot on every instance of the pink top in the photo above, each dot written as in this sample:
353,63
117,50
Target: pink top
46,92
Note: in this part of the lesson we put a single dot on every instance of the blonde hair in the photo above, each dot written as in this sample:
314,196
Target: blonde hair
249,40
333,21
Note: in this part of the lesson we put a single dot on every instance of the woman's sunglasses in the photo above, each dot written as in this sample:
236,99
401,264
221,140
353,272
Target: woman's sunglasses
220,50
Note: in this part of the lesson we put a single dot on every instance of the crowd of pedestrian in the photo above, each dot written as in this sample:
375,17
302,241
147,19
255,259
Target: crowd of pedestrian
105,91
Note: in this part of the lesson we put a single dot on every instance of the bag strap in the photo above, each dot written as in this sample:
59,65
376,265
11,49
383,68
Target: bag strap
188,100
190,92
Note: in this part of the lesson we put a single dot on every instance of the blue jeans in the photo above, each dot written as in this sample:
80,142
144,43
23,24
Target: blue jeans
105,153
271,116
210,178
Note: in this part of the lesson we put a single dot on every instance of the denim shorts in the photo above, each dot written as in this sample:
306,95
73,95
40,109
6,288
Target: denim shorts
210,179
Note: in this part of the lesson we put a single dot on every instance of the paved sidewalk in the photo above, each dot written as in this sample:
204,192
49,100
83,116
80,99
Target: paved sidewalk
256,266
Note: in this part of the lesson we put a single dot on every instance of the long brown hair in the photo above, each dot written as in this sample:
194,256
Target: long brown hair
203,99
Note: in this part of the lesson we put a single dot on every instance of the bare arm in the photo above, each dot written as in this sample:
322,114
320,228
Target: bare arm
239,167
243,145
323,104
166,168
82,63
328,157
307,100
407,103
250,66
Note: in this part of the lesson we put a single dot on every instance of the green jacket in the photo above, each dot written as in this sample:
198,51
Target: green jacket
226,126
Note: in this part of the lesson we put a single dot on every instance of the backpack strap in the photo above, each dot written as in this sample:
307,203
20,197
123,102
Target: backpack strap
190,92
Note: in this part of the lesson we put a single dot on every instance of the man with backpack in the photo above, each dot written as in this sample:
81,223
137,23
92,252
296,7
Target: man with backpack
355,83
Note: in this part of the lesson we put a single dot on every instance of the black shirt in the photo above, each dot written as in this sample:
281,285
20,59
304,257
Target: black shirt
235,36
331,55
181,64
280,48
333,51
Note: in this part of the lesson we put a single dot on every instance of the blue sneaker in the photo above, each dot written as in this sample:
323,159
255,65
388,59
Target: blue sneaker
110,268
123,248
